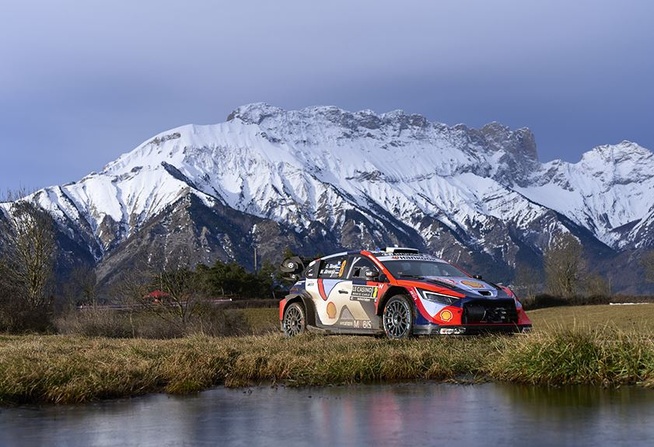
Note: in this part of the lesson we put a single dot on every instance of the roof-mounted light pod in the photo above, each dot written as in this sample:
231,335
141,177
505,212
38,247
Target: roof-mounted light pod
401,250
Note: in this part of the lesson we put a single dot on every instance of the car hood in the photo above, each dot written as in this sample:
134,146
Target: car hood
471,285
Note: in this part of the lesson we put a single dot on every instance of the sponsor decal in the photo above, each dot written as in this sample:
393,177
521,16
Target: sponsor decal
332,268
363,293
446,315
408,257
346,318
362,324
331,310
473,284
445,280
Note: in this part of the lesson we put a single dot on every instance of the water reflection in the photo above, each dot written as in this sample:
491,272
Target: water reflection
585,415
388,415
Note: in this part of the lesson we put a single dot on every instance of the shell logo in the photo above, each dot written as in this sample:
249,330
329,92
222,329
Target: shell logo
473,284
446,315
331,310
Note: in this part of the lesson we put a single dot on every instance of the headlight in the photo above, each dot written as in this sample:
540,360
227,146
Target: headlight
437,297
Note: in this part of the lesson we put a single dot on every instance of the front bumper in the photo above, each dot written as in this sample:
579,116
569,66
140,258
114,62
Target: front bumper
470,329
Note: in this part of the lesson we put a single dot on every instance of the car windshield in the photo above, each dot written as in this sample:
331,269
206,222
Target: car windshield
404,268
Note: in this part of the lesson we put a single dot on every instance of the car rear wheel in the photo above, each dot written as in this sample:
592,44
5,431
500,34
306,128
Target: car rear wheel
294,321
398,317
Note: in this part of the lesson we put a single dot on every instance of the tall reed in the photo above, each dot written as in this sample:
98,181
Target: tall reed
595,356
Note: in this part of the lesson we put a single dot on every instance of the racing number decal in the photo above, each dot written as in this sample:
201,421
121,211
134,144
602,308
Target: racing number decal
342,269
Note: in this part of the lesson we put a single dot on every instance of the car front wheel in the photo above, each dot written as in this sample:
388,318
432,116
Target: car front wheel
398,317
294,321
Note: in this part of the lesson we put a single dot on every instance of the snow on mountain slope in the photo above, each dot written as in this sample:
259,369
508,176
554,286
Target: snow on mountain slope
318,163
610,188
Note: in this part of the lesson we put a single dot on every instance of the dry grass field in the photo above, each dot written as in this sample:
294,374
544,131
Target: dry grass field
596,345
623,317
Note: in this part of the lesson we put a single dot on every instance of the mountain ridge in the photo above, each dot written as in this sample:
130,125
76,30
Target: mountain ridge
327,177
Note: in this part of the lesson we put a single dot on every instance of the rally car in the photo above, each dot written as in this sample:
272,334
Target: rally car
399,292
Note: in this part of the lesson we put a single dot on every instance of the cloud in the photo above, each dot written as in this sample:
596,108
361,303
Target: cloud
91,80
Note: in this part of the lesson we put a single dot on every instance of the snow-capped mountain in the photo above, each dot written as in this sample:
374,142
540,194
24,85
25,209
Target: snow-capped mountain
320,179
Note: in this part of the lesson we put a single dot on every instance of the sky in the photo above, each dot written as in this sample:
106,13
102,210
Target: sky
82,82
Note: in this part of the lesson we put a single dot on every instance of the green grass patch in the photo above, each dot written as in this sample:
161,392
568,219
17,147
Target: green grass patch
576,356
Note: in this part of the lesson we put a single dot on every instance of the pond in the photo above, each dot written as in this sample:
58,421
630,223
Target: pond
388,415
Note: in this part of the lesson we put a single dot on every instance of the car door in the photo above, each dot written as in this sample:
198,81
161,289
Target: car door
332,291
363,292
324,291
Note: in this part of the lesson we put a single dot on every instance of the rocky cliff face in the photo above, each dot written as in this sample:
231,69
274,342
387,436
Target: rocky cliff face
322,179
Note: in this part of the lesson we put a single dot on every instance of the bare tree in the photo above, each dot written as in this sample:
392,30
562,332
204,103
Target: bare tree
564,266
528,281
33,251
597,285
647,262
81,286
177,297
14,195
174,297
28,260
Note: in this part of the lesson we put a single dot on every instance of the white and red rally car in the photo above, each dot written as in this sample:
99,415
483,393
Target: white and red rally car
399,292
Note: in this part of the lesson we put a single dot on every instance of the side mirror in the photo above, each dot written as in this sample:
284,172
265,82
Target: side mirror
375,275
477,276
372,275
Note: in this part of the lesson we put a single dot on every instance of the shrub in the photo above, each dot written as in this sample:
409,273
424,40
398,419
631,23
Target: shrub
95,322
543,301
209,320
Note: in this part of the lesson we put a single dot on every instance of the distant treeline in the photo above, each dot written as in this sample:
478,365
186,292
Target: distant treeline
545,300
221,280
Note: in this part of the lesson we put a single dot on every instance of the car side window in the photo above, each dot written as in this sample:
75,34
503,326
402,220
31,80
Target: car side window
359,266
332,268
311,270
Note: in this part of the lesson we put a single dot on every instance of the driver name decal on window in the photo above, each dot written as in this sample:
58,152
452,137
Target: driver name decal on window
332,268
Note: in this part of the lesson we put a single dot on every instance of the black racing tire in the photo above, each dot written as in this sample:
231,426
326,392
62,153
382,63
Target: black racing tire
294,321
397,318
